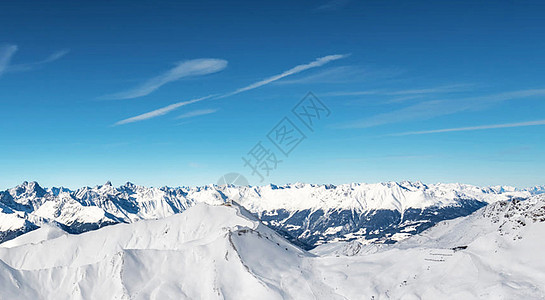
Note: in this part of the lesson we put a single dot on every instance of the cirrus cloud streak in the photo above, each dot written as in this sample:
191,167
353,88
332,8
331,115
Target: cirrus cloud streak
159,112
189,68
297,69
6,53
472,128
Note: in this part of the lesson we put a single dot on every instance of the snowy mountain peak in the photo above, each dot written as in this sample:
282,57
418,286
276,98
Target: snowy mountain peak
58,190
129,185
537,190
107,187
27,189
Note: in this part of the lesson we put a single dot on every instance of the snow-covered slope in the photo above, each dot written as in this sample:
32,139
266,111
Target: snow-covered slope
307,214
228,256
495,253
13,225
46,232
223,252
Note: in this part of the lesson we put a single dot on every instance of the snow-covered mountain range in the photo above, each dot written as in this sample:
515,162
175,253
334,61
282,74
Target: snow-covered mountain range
306,214
224,252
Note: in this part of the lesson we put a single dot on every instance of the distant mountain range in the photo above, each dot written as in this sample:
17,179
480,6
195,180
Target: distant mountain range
306,214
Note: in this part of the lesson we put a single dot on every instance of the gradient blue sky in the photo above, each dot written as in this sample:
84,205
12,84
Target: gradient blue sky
73,74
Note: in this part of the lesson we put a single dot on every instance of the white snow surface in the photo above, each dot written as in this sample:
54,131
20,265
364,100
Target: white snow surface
222,252
10,221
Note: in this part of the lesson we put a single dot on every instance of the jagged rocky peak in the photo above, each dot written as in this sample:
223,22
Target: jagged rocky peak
59,190
129,185
107,187
536,190
129,188
413,184
28,189
518,211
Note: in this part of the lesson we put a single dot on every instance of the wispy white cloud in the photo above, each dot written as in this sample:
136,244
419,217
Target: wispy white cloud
366,101
195,165
189,68
403,99
434,90
327,75
434,108
472,128
512,151
332,5
55,56
29,66
196,113
344,74
6,53
297,69
161,111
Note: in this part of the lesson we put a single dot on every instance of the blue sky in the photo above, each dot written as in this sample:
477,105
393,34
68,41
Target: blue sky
177,93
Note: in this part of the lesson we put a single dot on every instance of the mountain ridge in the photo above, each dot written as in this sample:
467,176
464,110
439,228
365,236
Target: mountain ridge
307,214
